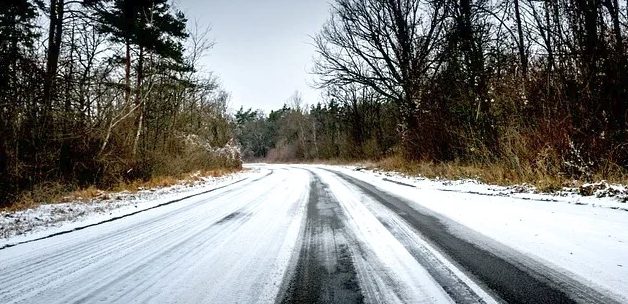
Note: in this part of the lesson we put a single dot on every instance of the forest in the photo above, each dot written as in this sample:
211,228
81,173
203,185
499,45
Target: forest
100,92
509,91
103,92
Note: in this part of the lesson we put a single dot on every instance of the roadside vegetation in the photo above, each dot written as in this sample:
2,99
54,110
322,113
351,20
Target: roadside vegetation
99,93
105,94
52,192
513,91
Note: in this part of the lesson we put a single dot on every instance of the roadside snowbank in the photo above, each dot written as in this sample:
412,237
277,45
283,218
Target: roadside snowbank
24,225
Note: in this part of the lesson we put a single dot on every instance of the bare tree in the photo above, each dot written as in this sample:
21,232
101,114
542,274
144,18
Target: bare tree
389,46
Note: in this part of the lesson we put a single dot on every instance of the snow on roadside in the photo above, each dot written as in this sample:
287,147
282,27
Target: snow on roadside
583,236
47,219
599,194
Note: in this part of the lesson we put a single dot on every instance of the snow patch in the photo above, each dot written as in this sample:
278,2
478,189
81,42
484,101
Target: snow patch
24,225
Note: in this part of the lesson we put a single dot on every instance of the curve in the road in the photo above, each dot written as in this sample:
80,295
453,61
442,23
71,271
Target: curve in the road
137,258
115,218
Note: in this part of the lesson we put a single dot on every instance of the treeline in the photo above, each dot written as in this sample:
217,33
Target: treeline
363,128
98,92
532,85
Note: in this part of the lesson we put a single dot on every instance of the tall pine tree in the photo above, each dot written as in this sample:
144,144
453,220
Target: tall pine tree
149,26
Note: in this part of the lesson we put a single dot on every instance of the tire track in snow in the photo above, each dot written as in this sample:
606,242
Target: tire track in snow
340,231
324,271
130,214
387,272
125,237
149,250
104,249
455,287
513,281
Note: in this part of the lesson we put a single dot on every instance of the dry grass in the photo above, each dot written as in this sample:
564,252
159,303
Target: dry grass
88,193
51,193
46,192
169,180
496,173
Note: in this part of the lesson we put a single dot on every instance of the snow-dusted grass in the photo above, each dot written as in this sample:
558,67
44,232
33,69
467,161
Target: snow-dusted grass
586,236
23,225
601,194
546,174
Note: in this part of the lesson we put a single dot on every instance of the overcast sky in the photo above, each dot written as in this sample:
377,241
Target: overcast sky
263,51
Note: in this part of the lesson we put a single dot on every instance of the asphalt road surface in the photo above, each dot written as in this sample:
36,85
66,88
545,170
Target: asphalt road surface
297,234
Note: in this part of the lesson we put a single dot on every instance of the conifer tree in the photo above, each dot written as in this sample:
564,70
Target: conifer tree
149,26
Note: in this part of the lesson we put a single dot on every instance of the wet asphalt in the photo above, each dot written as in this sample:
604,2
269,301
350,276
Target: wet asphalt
324,271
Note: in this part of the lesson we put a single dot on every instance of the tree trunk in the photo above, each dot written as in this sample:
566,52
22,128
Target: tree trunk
3,153
127,71
549,44
589,10
54,48
522,55
65,158
138,100
5,181
619,107
613,8
410,133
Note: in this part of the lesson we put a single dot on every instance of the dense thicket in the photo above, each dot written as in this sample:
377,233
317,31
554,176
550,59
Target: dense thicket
534,84
104,92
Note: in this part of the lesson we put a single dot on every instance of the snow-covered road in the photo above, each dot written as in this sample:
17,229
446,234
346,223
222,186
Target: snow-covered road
315,234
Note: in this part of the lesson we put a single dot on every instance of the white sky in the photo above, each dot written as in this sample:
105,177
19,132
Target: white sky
263,51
